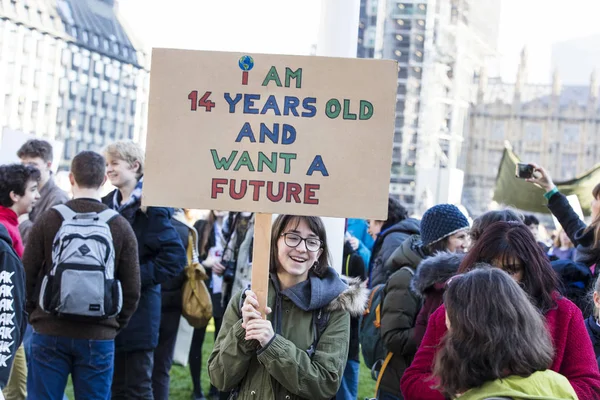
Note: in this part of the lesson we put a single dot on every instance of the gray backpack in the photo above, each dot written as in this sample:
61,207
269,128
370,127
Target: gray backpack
81,284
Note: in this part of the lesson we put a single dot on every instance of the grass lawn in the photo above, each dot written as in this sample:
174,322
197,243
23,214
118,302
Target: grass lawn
181,384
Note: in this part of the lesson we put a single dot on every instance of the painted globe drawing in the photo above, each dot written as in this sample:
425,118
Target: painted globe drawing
246,63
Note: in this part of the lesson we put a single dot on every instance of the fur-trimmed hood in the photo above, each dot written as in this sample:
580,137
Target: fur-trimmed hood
435,270
353,299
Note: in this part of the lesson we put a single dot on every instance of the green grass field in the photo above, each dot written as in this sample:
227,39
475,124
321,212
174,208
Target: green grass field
181,384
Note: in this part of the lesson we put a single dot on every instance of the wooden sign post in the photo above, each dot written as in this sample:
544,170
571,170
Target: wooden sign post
261,256
270,134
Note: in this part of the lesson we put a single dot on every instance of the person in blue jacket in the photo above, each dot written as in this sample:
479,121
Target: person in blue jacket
359,239
161,256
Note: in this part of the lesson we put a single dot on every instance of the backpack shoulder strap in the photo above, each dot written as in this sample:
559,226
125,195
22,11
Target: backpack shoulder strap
107,215
409,269
65,212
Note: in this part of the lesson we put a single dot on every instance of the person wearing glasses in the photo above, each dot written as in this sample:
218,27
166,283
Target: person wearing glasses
483,356
299,351
512,247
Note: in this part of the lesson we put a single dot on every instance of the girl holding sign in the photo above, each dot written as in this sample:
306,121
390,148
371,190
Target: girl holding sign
300,350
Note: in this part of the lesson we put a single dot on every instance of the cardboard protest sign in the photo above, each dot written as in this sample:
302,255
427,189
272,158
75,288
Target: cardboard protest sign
270,133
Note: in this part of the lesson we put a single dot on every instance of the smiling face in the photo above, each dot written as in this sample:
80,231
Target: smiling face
120,173
295,262
23,204
458,242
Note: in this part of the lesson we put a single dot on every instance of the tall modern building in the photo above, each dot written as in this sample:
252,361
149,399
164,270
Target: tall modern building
439,45
553,125
71,72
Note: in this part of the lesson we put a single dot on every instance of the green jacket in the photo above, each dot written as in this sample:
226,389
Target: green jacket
541,385
283,369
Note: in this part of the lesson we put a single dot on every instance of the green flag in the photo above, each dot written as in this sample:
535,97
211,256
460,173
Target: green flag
514,192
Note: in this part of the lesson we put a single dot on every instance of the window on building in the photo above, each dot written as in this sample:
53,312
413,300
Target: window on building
76,59
85,63
24,74
533,132
95,40
403,73
98,67
569,166
108,70
570,133
37,79
371,7
66,57
370,33
497,130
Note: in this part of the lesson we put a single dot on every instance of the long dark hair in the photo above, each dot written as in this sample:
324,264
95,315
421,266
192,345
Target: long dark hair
505,244
494,332
315,224
207,228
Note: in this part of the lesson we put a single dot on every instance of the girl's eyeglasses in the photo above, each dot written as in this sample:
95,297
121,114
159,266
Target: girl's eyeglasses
293,240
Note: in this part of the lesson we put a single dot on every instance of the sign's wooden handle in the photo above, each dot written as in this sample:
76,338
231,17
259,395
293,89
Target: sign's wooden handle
261,258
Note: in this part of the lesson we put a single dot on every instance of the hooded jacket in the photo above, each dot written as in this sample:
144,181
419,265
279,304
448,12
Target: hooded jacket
576,229
429,284
541,385
12,304
283,368
399,312
387,241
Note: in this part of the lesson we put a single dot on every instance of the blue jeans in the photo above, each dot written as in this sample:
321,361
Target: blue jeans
53,358
349,388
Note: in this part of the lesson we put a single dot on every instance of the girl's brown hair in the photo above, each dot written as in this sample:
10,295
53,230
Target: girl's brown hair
203,248
557,241
315,224
512,247
494,332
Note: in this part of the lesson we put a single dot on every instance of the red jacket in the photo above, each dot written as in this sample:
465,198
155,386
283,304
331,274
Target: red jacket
574,356
9,219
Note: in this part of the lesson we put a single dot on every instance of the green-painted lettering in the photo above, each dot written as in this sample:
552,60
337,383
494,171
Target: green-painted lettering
244,161
288,157
264,160
272,75
223,162
297,75
333,108
366,110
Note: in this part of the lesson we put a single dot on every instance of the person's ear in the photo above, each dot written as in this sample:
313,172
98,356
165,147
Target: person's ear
104,180
71,179
49,165
14,197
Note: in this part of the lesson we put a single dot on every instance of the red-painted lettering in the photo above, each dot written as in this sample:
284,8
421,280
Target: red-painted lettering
309,193
293,190
238,195
257,185
216,189
272,196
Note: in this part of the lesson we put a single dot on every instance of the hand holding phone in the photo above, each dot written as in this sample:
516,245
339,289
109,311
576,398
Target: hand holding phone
524,171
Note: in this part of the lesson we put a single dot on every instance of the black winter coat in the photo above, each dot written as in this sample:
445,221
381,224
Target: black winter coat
385,244
400,308
576,229
162,257
12,304
171,290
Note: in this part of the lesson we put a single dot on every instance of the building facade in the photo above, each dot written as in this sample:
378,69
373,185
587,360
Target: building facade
72,73
438,45
552,125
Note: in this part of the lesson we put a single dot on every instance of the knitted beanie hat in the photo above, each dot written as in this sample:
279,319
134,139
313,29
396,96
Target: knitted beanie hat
441,221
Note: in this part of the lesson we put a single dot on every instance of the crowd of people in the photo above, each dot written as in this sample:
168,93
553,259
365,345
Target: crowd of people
441,307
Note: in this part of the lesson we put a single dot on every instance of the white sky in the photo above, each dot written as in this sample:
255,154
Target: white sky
291,27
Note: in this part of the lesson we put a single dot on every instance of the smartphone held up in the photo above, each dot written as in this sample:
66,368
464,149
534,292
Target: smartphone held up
524,171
